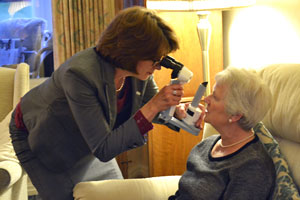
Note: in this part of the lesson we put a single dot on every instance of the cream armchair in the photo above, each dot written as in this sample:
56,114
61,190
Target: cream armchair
14,83
156,188
282,121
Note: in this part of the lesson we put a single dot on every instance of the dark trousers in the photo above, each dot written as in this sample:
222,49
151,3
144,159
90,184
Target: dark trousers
58,186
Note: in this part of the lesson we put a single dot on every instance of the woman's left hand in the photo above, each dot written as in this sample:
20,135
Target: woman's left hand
199,123
180,113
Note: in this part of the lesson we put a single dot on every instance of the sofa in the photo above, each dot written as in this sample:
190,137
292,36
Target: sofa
279,132
14,83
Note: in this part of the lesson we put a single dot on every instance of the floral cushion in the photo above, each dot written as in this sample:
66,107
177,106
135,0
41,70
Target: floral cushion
285,187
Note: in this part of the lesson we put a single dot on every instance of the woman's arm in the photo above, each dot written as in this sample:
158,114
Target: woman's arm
94,111
163,100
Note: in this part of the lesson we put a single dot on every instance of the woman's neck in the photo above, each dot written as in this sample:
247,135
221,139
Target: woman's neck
237,141
119,78
230,142
233,134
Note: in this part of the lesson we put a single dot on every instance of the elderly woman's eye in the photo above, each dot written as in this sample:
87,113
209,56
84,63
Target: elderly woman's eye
215,97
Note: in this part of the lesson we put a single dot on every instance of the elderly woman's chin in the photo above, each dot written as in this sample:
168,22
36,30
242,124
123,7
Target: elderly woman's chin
206,119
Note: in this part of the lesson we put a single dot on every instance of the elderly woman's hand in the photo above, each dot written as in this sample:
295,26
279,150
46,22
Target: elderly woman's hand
198,123
180,113
168,96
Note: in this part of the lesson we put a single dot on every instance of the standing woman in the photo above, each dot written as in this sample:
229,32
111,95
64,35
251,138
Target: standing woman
96,105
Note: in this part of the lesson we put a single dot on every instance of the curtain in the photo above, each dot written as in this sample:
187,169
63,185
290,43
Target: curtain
77,25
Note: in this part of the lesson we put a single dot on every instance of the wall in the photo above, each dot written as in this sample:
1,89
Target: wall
266,33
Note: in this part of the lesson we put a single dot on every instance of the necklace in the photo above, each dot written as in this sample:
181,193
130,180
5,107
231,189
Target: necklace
121,87
238,142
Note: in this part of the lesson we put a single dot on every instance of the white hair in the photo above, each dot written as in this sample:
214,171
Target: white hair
246,95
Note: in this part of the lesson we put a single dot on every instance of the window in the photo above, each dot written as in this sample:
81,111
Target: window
25,29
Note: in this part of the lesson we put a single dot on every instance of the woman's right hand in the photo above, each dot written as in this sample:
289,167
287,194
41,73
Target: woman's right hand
168,96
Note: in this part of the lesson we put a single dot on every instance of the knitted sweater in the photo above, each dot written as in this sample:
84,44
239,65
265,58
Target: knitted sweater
246,174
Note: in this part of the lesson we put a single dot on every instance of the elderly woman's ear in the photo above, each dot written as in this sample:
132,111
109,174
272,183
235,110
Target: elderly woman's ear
235,118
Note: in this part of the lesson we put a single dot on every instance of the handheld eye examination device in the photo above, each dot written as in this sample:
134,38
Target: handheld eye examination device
182,75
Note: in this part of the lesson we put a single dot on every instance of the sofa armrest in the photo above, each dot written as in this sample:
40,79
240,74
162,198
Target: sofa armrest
127,189
10,173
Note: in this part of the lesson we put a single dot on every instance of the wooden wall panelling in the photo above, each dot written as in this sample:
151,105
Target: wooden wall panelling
168,150
189,54
134,163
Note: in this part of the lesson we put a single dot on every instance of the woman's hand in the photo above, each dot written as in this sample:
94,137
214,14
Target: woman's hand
168,96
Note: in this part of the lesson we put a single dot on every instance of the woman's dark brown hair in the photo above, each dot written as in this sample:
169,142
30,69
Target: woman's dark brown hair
135,34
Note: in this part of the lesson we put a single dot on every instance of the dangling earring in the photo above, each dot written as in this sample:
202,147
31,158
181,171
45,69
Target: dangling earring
229,120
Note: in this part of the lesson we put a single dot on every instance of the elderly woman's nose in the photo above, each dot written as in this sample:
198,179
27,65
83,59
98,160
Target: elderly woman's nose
206,99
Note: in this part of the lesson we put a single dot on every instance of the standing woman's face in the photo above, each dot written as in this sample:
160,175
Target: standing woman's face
146,68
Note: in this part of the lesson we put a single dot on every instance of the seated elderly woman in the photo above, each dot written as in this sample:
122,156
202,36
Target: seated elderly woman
234,164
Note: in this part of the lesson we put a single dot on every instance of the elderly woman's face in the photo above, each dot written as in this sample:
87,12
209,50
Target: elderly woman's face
215,114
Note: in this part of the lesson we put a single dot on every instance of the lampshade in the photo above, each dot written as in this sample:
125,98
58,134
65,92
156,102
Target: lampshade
197,5
203,27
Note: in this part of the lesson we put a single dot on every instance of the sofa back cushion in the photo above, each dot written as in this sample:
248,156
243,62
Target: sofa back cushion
284,116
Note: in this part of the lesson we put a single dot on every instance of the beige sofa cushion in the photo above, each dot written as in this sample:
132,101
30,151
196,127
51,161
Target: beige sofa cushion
21,85
158,188
14,83
284,116
8,159
6,149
